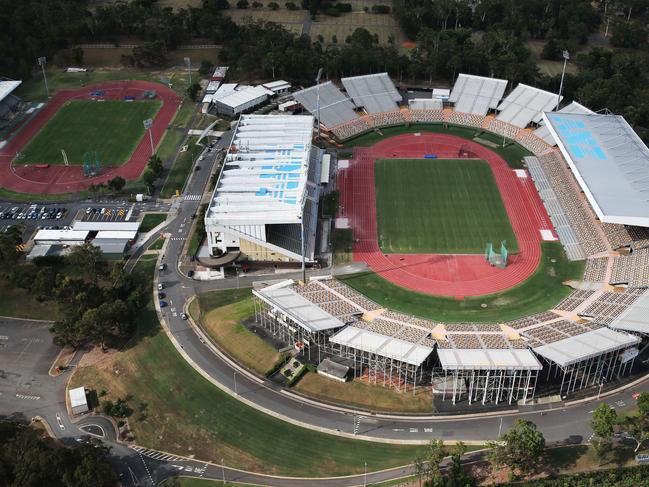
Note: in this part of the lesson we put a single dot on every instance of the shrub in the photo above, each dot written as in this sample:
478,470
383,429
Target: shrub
343,7
332,12
380,9
243,4
278,365
273,5
292,6
257,4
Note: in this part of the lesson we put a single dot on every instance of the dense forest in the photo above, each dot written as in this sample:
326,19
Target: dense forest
485,37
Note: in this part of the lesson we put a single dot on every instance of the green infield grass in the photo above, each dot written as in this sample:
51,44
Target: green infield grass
541,291
434,206
112,128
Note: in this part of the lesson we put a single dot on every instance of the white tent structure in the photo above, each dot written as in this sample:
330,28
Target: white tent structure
375,92
334,107
477,94
526,104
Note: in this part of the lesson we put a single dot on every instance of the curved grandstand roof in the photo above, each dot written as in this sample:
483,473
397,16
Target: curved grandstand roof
335,107
7,86
526,104
477,94
609,161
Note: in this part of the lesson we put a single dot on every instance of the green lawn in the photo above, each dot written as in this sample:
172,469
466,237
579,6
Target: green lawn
178,411
150,221
181,168
157,245
541,291
434,206
112,128
8,195
20,303
513,153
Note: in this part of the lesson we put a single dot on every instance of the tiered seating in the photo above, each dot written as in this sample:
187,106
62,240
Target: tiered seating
532,143
410,334
413,320
596,269
611,305
339,309
494,341
573,301
621,235
426,116
350,129
632,269
383,327
351,294
554,332
387,119
465,341
503,128
574,207
468,119
532,320
472,327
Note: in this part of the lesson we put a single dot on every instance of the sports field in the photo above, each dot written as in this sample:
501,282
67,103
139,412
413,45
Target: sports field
439,206
112,128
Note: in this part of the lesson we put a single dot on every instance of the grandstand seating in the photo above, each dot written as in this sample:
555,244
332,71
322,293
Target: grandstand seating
610,305
596,269
622,235
573,301
387,119
503,128
426,116
532,143
632,269
468,119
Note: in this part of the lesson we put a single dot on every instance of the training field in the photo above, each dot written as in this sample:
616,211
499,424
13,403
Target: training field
439,206
112,128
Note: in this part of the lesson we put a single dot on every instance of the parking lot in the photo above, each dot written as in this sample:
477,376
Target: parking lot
105,214
20,213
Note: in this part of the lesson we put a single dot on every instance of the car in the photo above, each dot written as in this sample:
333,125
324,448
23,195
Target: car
161,286
183,316
190,273
162,267
59,215
197,168
163,304
201,157
88,210
161,295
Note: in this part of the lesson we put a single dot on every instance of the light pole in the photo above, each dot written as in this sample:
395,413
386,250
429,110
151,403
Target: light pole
365,476
235,383
148,123
566,56
41,62
317,91
188,62
223,470
302,245
500,427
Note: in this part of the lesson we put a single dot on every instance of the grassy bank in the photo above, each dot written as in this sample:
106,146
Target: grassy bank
150,221
220,314
512,152
181,168
541,291
178,411
20,303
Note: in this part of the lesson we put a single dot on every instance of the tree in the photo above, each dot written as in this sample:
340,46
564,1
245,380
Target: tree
77,56
8,253
117,183
243,4
148,177
155,164
637,425
434,456
86,259
457,477
273,6
193,90
602,423
520,448
206,67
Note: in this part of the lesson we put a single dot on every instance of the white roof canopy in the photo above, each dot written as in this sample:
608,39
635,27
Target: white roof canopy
582,347
526,104
385,346
610,162
335,107
6,87
635,317
477,94
299,309
106,226
375,92
264,178
487,359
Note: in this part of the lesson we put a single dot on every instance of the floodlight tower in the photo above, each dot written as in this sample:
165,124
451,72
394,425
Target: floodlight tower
188,62
566,56
148,123
317,91
41,62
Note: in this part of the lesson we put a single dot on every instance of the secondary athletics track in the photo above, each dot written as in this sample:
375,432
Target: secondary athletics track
67,179
442,274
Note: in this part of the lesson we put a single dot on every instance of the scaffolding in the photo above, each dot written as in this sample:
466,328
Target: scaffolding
381,368
592,371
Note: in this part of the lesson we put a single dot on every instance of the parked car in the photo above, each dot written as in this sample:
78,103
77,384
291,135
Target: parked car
162,267
190,273
183,316
161,286
163,304
161,295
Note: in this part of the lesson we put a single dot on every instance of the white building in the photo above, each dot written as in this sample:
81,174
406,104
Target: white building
241,100
60,237
78,401
267,188
278,87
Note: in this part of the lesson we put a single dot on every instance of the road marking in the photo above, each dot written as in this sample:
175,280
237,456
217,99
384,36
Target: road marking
134,478
398,429
414,430
26,396
58,419
156,455
428,430
4,337
147,469
193,197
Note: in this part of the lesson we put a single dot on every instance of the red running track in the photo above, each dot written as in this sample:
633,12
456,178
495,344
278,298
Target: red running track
442,274
65,179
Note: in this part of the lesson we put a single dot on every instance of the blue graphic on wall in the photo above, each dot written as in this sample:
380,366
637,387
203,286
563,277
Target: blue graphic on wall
577,138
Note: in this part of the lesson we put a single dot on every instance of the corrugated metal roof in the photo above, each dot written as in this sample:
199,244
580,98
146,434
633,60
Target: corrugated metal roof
335,107
544,133
526,104
375,92
635,317
106,226
477,94
61,235
6,87
487,359
609,161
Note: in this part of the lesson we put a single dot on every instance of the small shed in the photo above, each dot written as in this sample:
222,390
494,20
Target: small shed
333,370
78,401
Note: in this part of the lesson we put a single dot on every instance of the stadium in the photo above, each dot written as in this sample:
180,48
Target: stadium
579,183
86,136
